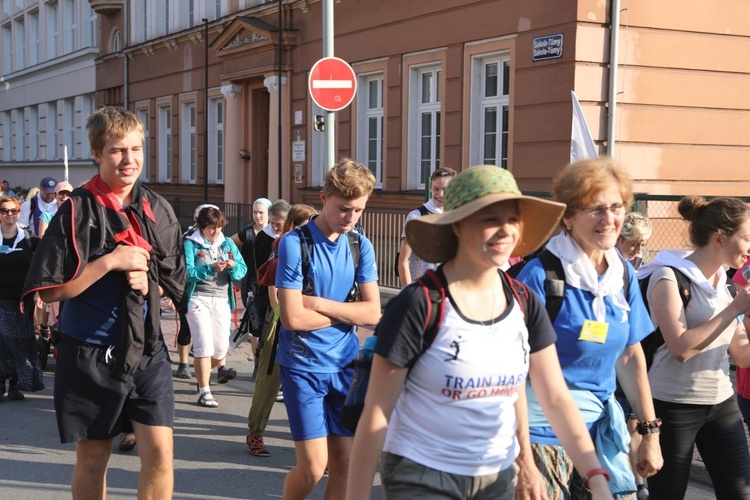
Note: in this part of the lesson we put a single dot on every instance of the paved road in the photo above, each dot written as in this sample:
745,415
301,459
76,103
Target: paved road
211,459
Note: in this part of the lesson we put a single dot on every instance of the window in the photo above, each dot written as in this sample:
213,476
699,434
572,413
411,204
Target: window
370,125
32,119
6,7
88,106
424,124
144,20
188,139
143,117
164,17
115,43
191,13
216,140
33,38
20,45
217,9
490,91
7,49
52,142
70,24
20,132
53,33
5,136
90,26
165,144
69,126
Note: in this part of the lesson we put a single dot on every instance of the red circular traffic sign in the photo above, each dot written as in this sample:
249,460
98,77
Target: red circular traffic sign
332,83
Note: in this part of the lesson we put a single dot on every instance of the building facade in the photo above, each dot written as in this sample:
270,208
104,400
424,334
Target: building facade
47,88
222,88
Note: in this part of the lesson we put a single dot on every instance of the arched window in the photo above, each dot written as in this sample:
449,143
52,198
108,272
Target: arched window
114,42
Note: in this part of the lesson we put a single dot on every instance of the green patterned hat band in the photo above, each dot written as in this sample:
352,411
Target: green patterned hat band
477,182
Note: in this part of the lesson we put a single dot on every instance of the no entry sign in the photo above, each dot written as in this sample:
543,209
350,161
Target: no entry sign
332,83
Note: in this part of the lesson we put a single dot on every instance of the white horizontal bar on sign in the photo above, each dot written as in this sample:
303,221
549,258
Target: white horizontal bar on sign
332,84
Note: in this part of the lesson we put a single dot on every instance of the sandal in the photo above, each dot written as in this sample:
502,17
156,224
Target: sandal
207,400
257,447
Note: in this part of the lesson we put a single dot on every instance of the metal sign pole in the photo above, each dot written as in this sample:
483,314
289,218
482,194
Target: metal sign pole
329,151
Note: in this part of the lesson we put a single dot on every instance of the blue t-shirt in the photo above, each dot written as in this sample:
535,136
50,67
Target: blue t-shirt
93,316
327,350
589,365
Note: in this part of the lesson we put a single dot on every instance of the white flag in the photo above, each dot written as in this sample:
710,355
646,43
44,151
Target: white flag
581,144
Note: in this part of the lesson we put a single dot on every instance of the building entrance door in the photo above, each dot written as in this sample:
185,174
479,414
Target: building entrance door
256,115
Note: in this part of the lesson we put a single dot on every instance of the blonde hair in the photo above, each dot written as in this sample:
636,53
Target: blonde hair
111,122
636,227
581,182
349,180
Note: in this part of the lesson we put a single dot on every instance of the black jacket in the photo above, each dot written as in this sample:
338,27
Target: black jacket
81,228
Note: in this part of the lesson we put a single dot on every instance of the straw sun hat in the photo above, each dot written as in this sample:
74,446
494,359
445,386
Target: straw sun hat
431,236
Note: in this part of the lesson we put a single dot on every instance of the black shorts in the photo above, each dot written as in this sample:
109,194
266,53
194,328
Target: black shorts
90,404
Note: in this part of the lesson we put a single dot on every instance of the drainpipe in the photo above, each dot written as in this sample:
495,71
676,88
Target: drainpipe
613,48
125,40
280,150
205,108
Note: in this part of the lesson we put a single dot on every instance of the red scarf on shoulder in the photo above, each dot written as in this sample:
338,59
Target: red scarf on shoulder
133,235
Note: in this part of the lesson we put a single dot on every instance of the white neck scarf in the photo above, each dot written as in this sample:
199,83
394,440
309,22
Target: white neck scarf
580,273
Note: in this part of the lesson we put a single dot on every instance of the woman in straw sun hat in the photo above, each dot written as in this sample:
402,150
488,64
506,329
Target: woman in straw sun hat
451,419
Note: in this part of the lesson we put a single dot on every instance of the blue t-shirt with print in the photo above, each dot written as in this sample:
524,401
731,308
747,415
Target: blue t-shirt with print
589,365
330,349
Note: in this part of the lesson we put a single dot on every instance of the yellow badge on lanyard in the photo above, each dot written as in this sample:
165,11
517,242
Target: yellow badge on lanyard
594,331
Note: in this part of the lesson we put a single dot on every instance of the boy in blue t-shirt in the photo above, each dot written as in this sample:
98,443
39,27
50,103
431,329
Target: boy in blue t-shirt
317,342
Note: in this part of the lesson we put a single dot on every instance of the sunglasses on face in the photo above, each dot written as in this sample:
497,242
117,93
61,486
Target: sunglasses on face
13,211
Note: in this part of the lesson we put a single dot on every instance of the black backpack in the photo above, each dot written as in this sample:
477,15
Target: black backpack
422,211
655,339
434,291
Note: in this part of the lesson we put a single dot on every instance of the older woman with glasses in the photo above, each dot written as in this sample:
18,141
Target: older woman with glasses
18,360
600,323
635,233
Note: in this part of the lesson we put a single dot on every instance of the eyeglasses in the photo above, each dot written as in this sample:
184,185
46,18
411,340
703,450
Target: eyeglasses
598,212
63,193
13,211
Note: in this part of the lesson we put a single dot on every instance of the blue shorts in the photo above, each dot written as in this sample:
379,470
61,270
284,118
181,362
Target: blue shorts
314,402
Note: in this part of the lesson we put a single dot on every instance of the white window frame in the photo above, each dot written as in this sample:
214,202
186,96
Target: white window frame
164,117
20,43
366,113
142,114
417,109
88,106
90,35
53,30
69,126
188,143
52,142
218,9
19,131
216,118
70,25
32,119
7,48
481,102
163,14
34,37
5,142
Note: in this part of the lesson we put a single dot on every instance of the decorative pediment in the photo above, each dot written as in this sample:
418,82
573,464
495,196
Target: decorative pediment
244,31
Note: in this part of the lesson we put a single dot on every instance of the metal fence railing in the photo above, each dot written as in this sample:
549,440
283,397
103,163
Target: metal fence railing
383,227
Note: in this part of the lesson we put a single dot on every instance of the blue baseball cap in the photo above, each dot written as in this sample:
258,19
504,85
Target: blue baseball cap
48,185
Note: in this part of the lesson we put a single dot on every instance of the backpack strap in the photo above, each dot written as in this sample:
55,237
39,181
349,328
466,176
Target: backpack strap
423,210
434,291
521,293
306,250
683,286
554,283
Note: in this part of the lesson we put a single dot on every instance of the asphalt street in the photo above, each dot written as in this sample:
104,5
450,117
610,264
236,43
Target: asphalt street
211,458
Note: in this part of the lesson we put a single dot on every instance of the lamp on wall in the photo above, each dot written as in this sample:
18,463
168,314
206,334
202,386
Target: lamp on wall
244,154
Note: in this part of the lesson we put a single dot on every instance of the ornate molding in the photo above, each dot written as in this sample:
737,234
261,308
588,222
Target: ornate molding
148,50
237,41
272,83
230,91
303,6
196,36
